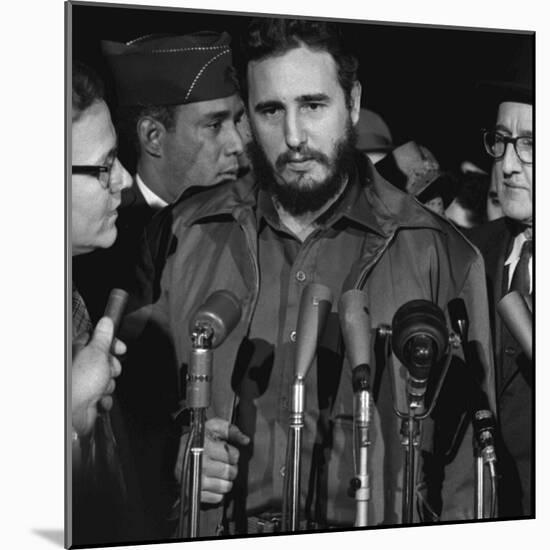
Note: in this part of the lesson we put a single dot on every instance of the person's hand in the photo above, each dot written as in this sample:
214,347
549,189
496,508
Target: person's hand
220,459
93,371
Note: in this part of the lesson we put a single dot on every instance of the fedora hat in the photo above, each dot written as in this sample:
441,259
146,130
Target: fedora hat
517,81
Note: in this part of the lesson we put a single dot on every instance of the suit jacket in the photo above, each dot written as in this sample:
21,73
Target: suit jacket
514,377
96,274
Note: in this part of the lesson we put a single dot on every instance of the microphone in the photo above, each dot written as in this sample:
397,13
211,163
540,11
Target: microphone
315,305
515,313
218,316
419,340
209,327
355,324
484,429
459,319
116,304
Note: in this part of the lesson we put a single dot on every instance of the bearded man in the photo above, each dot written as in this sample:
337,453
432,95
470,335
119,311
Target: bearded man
315,211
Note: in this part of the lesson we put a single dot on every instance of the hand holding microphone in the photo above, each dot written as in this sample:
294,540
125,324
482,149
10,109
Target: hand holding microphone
220,459
213,462
95,367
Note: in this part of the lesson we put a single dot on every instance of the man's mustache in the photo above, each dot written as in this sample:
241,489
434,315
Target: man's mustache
301,156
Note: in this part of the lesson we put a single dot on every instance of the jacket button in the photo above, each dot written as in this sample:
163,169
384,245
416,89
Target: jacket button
509,350
293,336
301,276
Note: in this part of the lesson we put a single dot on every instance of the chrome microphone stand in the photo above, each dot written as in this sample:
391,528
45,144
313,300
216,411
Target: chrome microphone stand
362,418
198,397
296,426
315,305
485,458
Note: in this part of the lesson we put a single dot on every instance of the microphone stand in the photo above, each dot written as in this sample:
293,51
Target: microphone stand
198,396
296,426
355,323
410,438
485,457
411,427
480,483
361,482
315,305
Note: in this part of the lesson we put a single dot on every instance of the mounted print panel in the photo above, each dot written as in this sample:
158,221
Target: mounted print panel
302,275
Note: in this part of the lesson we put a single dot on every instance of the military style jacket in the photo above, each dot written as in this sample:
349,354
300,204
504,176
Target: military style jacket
209,242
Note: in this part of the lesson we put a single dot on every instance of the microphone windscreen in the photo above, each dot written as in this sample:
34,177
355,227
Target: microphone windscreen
315,305
355,325
518,319
419,321
221,312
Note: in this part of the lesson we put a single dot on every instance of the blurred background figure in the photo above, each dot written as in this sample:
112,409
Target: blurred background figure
468,208
413,168
494,208
373,135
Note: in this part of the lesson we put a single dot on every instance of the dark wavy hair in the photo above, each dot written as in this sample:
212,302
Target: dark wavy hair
129,116
272,37
87,88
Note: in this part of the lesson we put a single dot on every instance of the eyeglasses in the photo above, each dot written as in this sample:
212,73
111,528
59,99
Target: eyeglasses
496,143
102,173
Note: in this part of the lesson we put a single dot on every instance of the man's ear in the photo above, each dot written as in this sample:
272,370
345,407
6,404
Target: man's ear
151,135
355,100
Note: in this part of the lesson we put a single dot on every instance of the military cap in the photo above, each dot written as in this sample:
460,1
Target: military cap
172,70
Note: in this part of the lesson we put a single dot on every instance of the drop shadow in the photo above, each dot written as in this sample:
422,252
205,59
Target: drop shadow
57,536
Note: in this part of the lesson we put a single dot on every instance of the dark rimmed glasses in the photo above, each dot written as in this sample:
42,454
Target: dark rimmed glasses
102,173
496,143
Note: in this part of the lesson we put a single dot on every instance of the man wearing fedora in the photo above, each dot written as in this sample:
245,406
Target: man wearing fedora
506,245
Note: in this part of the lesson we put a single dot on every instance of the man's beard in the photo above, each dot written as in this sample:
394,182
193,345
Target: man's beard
302,195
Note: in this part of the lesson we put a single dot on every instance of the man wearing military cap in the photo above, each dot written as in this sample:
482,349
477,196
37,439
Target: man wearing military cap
506,245
180,102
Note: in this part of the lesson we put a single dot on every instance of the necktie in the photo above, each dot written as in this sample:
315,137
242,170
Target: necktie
521,279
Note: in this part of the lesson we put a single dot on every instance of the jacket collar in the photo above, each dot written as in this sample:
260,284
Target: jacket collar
383,207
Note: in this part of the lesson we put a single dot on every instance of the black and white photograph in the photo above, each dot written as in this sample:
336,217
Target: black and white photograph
298,276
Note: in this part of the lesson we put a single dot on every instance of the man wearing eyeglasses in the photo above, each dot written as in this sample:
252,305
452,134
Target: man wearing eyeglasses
96,184
98,178
506,245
